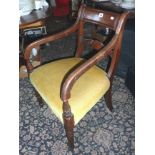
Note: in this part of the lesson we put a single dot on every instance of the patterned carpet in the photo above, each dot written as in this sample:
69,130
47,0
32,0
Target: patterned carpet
99,132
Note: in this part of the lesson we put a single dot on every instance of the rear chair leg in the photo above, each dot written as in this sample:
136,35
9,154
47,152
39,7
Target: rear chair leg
39,98
108,99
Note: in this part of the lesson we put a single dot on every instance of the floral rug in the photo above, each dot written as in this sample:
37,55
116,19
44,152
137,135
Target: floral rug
99,132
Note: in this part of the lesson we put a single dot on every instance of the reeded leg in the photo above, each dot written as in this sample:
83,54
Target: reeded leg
68,124
108,99
39,98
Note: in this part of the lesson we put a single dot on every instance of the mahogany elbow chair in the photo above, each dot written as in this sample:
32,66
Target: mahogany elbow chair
72,86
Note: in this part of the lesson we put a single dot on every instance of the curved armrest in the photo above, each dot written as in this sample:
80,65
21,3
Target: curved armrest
49,39
72,77
46,40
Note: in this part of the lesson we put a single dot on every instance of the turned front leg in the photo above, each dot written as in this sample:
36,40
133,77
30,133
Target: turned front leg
68,124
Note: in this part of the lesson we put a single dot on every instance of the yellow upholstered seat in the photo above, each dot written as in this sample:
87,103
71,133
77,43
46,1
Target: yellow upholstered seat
87,90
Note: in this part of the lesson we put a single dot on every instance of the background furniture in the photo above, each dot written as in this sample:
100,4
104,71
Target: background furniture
35,21
62,8
29,26
72,86
33,17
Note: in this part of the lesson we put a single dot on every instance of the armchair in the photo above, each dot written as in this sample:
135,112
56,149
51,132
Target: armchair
72,86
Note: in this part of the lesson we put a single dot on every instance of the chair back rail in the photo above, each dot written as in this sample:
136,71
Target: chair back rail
102,18
95,16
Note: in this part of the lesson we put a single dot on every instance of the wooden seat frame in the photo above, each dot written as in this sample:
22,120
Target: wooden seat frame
111,20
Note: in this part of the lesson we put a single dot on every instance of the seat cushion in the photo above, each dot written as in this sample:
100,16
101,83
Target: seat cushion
87,90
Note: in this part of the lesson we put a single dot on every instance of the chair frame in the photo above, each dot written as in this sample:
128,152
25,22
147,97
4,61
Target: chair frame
112,20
